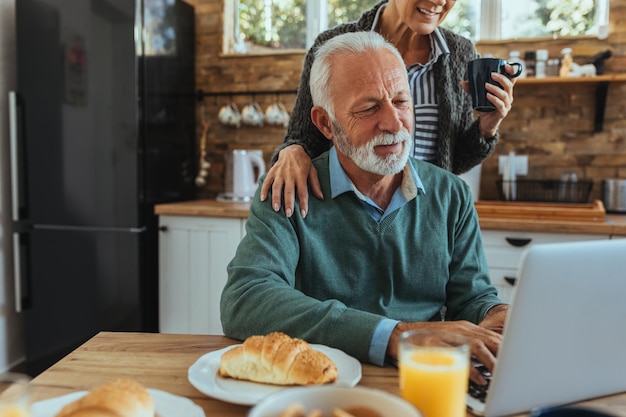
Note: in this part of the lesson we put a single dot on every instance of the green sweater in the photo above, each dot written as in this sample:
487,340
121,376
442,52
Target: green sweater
332,277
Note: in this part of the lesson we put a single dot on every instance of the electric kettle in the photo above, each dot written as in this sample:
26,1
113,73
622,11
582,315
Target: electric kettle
243,168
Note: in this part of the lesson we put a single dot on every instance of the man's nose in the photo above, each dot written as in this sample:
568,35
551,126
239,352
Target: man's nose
390,119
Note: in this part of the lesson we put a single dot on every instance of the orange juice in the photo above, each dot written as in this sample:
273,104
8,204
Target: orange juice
13,411
435,380
14,395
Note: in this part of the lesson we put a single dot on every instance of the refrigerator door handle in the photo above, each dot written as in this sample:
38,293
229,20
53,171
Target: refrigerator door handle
90,229
21,271
14,155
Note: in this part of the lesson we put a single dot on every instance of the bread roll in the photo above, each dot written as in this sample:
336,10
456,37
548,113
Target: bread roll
119,398
277,359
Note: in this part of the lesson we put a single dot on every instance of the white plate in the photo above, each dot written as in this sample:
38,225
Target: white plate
166,405
203,375
327,398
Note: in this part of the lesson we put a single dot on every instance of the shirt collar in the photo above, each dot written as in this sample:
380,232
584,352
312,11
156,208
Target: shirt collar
340,182
438,45
377,17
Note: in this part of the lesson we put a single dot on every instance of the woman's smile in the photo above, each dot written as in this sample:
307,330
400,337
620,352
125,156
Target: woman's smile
426,12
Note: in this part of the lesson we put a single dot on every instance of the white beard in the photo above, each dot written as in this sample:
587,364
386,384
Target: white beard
365,157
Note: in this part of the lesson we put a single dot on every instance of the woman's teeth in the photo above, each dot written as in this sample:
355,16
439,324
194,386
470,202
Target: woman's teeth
427,12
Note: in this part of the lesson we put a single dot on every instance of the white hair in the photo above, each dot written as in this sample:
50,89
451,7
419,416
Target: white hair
354,43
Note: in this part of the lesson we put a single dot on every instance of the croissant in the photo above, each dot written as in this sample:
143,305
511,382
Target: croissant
277,359
119,398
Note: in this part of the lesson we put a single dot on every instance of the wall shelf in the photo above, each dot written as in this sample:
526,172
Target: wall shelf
200,94
621,77
602,87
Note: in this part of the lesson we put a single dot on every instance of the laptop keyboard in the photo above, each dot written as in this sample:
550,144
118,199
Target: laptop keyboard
479,391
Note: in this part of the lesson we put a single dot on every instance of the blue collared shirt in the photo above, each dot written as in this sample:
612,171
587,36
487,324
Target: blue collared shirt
340,183
411,184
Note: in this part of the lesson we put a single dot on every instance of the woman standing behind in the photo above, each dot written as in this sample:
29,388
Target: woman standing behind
446,132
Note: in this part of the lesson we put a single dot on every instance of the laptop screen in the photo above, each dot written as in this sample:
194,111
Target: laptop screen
564,337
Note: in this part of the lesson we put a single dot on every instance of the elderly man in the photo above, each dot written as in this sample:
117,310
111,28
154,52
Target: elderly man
397,240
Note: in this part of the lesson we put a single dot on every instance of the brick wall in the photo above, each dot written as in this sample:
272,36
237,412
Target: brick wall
551,123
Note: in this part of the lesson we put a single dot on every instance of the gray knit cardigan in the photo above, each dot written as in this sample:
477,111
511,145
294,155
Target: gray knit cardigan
460,145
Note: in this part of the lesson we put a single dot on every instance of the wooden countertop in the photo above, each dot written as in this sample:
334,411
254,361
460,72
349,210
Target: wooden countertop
614,224
204,208
161,361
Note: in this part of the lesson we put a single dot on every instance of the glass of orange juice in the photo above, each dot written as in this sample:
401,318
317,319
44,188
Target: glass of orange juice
14,395
434,372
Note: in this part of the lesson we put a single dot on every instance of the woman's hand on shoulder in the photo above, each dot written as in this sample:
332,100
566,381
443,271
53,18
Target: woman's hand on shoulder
289,175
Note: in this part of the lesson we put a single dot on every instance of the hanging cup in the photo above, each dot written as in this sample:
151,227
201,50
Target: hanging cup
277,115
252,115
229,115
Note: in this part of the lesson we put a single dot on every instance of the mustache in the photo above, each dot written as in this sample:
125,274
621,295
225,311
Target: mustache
383,139
391,138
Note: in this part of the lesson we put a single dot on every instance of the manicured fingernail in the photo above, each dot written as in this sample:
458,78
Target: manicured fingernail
289,212
303,213
276,207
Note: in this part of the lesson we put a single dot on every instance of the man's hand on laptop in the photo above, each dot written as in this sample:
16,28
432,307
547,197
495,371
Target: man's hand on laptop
484,342
495,317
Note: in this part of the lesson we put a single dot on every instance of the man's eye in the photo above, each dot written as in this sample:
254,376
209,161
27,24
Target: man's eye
368,110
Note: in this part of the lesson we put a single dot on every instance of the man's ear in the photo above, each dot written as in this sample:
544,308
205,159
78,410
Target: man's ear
321,119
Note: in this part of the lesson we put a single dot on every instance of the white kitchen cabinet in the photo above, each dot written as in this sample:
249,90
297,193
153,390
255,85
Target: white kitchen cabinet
504,249
193,255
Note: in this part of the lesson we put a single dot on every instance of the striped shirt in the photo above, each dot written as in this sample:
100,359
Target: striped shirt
423,88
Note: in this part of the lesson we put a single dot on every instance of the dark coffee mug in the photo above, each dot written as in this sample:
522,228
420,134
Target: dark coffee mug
567,411
479,72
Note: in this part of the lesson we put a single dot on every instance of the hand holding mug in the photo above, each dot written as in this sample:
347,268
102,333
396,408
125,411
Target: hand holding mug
479,73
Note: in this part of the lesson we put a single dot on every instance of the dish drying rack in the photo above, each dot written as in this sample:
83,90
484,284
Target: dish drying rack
546,191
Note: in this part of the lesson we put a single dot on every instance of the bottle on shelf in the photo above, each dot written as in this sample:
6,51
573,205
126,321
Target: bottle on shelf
552,67
530,59
540,63
566,62
514,57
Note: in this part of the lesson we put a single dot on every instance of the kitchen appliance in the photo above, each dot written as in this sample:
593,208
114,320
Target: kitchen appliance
243,168
98,125
472,178
614,195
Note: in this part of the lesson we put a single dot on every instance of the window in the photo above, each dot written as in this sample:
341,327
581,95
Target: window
290,24
160,27
511,19
266,25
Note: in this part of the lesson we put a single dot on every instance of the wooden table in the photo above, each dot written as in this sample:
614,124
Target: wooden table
161,361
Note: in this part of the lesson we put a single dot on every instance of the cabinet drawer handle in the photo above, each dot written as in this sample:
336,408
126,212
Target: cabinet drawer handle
510,280
518,242
162,228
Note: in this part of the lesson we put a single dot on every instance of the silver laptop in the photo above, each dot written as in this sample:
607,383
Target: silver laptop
565,332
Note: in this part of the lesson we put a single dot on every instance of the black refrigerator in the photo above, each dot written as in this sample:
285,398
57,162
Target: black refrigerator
100,128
